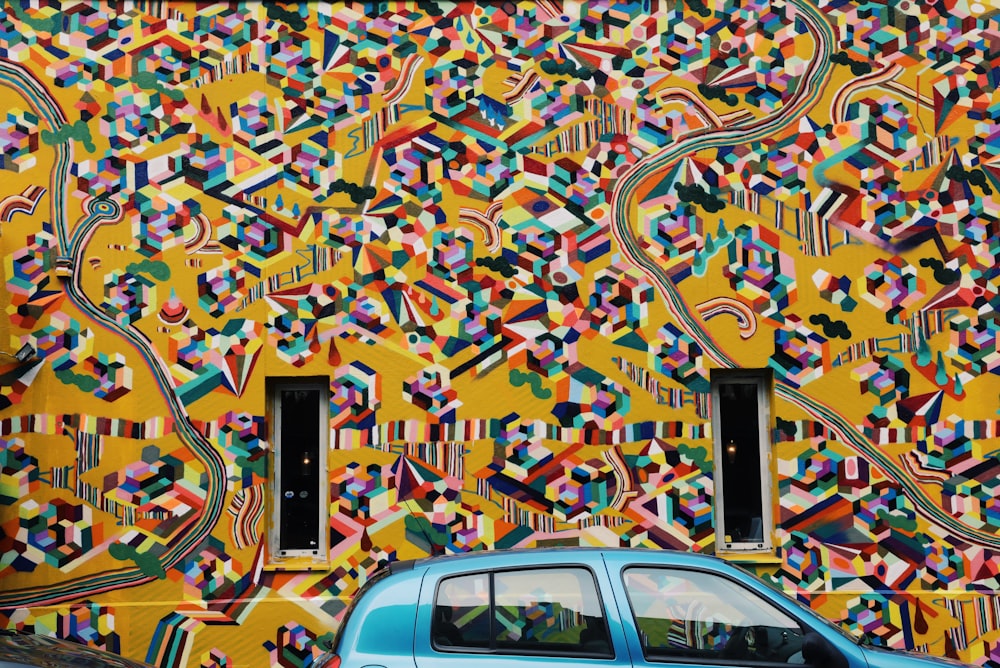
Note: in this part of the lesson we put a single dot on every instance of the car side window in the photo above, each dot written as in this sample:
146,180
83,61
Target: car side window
548,611
462,612
688,614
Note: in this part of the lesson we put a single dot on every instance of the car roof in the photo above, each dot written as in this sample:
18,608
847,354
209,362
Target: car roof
549,554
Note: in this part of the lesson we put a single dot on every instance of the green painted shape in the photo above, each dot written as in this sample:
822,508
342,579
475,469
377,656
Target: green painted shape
519,378
149,564
148,81
85,383
632,340
197,388
697,455
78,131
51,25
257,466
155,268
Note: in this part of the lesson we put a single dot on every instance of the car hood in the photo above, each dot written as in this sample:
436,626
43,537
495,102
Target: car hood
28,649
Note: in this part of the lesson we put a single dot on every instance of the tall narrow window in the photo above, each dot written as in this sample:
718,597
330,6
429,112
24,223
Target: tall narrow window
300,413
741,418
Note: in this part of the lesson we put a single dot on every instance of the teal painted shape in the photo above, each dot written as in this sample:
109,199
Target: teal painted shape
632,340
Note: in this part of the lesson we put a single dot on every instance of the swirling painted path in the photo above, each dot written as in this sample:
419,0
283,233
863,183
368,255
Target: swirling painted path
73,246
812,86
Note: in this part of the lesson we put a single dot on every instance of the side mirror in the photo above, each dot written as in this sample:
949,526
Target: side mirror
820,652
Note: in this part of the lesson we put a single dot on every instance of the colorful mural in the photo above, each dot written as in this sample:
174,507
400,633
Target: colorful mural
516,237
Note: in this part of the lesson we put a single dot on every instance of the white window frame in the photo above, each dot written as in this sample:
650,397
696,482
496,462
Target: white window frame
762,380
322,493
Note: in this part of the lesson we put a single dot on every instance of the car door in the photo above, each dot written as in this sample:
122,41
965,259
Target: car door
686,615
517,617
682,615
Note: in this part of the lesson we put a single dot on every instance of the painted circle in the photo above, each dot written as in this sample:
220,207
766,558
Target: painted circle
842,129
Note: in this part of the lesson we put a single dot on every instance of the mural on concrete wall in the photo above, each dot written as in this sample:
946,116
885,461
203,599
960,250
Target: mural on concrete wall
517,237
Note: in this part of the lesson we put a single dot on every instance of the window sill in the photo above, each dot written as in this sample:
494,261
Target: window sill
765,557
297,564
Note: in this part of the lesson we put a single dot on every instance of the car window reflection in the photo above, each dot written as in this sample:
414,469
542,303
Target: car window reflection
550,611
686,614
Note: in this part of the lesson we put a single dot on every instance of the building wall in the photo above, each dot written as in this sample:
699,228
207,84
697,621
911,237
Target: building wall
517,239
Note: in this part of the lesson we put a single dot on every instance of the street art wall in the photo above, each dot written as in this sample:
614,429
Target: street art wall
514,240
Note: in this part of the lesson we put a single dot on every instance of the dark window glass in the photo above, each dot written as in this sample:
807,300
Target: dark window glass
743,504
298,446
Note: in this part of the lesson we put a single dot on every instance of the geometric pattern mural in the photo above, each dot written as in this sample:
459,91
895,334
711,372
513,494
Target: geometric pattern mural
516,237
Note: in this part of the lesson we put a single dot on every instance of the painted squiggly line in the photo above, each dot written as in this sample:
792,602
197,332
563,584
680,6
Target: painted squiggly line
487,221
519,84
519,378
202,236
357,134
626,484
550,9
246,510
838,108
689,100
745,317
45,107
918,472
839,206
100,211
26,202
808,94
851,436
70,264
405,79
812,87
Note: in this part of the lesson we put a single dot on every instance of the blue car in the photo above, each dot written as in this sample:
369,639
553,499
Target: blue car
588,607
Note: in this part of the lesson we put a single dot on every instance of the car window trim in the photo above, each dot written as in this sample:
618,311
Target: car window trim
803,627
493,650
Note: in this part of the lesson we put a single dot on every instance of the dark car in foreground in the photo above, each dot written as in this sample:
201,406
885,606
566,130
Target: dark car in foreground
588,607
28,650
